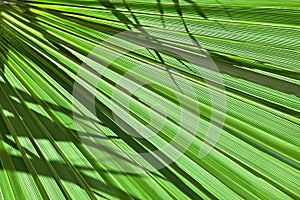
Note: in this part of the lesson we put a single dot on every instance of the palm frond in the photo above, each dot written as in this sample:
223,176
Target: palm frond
255,45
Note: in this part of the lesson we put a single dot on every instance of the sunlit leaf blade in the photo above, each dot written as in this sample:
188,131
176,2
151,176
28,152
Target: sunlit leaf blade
255,45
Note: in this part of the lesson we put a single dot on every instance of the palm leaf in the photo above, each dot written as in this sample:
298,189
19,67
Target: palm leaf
255,46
